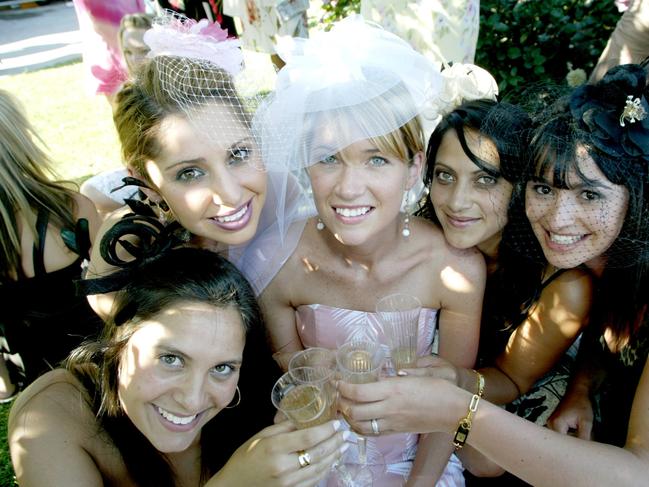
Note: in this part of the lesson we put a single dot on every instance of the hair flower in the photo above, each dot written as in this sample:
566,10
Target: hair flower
633,110
614,111
462,83
176,35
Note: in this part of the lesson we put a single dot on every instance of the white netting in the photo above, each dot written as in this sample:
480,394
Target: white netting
352,83
201,72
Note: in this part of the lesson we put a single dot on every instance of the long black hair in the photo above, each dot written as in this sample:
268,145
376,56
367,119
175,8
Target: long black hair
610,120
513,285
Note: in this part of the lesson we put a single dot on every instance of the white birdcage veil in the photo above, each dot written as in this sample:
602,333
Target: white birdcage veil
202,73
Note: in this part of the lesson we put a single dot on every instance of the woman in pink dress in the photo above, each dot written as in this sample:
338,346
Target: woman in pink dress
351,119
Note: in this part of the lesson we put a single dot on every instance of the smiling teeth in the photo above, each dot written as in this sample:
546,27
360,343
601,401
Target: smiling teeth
175,419
349,212
564,239
234,217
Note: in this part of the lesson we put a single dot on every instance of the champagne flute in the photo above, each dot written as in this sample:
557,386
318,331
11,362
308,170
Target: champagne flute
306,396
360,362
399,318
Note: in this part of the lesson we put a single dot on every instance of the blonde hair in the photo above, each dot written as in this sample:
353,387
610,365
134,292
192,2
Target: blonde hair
25,185
403,143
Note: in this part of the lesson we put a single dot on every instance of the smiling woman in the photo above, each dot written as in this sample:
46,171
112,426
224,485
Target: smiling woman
174,393
351,123
188,142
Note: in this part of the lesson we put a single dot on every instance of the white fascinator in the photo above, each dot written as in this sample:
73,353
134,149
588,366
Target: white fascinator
355,82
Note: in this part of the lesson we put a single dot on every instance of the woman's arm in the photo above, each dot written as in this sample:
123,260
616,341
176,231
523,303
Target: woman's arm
279,315
538,343
459,332
574,414
539,456
102,303
86,209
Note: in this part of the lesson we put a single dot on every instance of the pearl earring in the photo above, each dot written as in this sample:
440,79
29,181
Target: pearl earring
405,231
320,225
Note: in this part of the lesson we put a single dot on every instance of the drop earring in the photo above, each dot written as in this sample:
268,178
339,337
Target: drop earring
320,225
405,231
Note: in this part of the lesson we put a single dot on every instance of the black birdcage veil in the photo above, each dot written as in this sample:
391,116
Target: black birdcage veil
586,194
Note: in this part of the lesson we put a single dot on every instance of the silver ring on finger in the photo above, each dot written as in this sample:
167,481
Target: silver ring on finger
303,458
375,427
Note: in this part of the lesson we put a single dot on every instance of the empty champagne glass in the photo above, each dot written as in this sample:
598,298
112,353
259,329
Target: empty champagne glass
399,318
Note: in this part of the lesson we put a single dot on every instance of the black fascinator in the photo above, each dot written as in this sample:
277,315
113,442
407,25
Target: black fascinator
615,112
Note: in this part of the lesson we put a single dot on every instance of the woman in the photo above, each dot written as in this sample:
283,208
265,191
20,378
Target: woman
46,233
186,137
152,403
586,202
533,311
351,119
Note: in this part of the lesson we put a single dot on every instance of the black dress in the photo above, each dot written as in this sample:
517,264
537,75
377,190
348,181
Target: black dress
41,317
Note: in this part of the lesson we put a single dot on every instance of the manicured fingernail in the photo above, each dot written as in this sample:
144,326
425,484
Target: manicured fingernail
402,373
347,435
337,425
344,448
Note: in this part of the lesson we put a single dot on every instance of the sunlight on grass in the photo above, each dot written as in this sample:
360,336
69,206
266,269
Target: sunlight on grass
77,128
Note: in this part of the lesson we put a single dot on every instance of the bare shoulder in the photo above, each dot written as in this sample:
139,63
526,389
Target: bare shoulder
292,268
85,208
469,262
574,289
54,438
56,397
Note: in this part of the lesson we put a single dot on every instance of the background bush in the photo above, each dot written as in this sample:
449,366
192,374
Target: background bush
523,41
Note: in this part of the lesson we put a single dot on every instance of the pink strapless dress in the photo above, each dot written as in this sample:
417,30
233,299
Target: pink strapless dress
325,326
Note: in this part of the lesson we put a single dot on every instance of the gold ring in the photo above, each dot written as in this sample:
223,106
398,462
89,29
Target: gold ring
303,458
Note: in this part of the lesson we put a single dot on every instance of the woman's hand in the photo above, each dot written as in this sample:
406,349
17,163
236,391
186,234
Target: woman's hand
271,457
574,414
405,404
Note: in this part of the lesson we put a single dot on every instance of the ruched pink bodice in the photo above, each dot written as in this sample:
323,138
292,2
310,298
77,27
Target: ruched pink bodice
325,326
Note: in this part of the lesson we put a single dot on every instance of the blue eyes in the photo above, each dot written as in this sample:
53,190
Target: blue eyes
374,161
329,160
377,161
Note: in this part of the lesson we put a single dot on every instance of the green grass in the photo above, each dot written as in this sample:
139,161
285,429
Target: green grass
77,127
78,131
79,135
6,472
